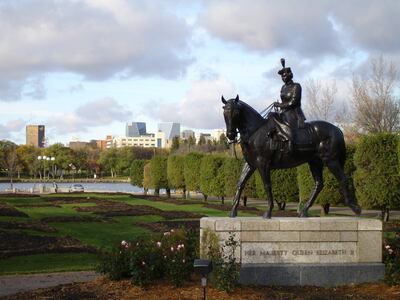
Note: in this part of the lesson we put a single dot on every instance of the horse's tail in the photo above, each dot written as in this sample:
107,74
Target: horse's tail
341,153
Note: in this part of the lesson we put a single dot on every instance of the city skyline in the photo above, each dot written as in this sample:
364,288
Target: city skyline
85,68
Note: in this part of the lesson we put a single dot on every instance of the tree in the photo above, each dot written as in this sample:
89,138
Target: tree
137,172
175,172
212,176
147,180
377,178
191,171
27,159
63,156
175,144
320,100
108,160
125,157
158,174
8,158
376,107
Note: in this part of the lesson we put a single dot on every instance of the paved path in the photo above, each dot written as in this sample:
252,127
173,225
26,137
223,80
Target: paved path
12,284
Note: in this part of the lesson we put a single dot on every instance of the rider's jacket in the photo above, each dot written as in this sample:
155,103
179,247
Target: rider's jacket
291,104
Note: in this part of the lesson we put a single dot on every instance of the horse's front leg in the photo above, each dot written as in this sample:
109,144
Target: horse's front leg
266,178
247,171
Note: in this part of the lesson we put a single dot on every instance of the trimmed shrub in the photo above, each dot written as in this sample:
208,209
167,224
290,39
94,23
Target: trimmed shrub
175,174
377,178
191,171
284,186
147,180
232,168
212,175
136,172
158,174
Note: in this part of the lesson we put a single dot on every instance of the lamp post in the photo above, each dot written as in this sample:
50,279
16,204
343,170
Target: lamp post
203,267
40,159
54,167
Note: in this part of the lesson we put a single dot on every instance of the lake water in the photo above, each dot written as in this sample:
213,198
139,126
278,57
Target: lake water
109,187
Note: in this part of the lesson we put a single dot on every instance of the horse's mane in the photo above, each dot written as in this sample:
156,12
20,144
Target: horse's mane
251,109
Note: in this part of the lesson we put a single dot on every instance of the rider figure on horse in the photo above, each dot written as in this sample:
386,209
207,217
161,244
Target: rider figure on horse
291,116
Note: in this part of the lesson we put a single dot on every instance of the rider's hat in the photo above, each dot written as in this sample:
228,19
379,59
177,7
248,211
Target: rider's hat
284,70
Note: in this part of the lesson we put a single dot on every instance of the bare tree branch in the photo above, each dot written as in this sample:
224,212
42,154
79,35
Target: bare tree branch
376,107
320,100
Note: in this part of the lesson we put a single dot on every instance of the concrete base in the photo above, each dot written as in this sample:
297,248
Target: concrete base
325,275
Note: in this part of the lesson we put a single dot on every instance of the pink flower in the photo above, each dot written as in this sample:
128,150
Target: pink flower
124,243
143,263
183,260
172,230
387,247
158,244
391,251
172,249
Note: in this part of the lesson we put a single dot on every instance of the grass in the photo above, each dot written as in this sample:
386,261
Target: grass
41,263
98,234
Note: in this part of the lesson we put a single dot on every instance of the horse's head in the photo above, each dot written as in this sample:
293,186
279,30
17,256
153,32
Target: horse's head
232,115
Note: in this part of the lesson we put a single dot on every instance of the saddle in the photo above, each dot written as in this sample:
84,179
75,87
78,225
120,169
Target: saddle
302,138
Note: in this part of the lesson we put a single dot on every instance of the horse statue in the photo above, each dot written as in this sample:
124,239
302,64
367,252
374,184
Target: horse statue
319,143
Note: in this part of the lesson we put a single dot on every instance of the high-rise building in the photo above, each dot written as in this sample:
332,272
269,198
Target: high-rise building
186,134
35,135
170,129
135,129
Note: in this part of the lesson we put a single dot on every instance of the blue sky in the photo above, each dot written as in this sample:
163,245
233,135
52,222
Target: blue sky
84,68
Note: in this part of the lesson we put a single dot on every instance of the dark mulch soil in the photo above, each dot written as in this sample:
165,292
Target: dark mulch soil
12,195
113,209
75,200
392,225
64,219
9,211
14,244
37,226
163,226
103,288
177,201
37,205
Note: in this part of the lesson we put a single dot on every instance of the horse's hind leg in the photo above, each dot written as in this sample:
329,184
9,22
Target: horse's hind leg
337,169
316,168
247,171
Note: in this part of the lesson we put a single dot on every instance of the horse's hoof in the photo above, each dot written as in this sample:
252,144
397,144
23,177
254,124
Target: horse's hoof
356,209
267,215
303,214
233,214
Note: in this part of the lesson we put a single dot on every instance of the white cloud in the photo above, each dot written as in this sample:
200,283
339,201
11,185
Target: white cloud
8,129
97,39
91,114
201,107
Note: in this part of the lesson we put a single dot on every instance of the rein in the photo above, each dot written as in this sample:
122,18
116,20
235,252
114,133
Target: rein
264,113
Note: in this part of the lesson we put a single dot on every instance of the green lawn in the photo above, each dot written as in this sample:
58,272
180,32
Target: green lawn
58,262
97,234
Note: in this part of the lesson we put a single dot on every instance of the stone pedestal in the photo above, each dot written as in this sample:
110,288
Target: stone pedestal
313,251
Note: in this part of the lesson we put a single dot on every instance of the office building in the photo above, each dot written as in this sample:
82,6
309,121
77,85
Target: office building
35,135
170,129
146,141
186,134
135,129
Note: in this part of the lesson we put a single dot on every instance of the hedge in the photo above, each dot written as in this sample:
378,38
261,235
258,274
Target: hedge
136,172
158,173
284,186
191,171
377,178
175,174
212,176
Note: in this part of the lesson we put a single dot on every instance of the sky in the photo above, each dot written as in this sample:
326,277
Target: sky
84,68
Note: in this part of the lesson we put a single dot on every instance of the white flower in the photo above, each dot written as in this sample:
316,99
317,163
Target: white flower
166,233
183,260
172,249
143,263
387,247
390,251
124,243
158,244
172,230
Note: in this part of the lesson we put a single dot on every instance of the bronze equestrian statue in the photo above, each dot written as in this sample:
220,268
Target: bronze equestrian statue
282,140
